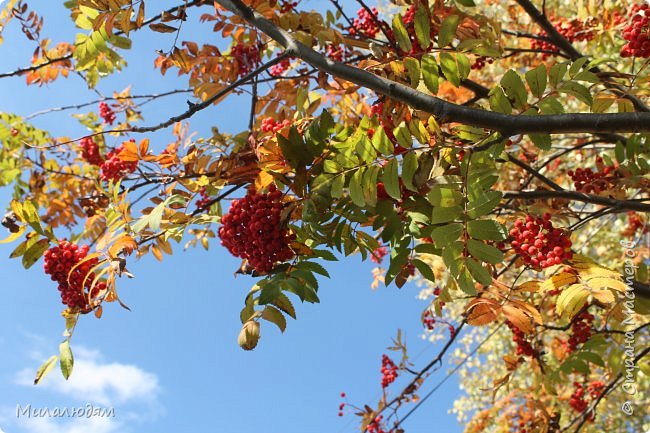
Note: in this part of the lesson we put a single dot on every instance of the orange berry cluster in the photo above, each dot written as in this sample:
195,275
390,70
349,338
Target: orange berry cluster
90,151
252,229
637,32
113,168
634,224
269,124
246,58
59,263
388,371
106,113
573,30
580,330
539,243
366,23
523,346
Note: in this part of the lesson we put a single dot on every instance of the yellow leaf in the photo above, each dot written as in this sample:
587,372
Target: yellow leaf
571,299
530,286
124,243
598,283
604,296
156,253
529,310
12,237
557,281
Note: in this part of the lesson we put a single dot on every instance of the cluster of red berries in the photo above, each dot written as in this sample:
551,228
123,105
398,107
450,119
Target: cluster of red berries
580,330
634,224
578,399
539,243
287,6
573,30
388,371
113,168
269,124
246,57
342,405
106,113
280,68
523,346
59,263
90,151
376,426
252,229
378,254
335,52
637,32
587,181
366,24
387,122
429,321
204,201
480,62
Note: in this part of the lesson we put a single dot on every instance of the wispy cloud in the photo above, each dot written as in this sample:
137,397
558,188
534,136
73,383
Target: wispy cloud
94,380
127,389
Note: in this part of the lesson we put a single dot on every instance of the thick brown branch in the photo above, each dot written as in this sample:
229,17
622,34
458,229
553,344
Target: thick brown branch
445,111
579,196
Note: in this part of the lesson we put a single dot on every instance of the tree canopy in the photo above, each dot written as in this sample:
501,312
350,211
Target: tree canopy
497,152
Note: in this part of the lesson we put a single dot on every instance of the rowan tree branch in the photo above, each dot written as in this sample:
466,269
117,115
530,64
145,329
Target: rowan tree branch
561,42
581,197
444,111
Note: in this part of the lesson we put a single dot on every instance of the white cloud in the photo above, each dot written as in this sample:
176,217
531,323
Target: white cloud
98,382
125,388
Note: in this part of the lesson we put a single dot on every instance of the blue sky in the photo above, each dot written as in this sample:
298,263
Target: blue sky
172,364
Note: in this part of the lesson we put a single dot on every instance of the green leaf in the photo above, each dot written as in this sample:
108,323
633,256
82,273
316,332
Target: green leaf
403,135
424,269
577,90
464,66
445,214
313,267
542,141
156,216
422,27
381,142
577,65
337,184
409,167
285,305
479,273
536,79
499,102
430,73
556,74
446,234
484,252
466,282
413,69
401,34
450,68
273,315
444,196
452,255
67,360
44,369
448,30
390,178
550,105
486,230
468,3
370,185
515,89
356,190
483,203
34,252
